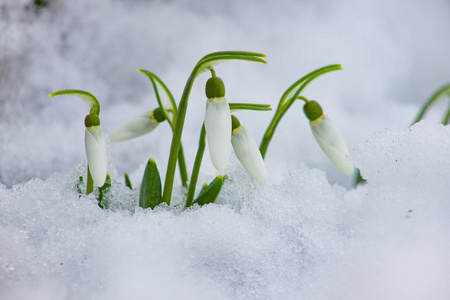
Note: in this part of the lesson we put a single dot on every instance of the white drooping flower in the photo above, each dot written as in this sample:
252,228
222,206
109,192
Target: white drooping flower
248,152
218,123
329,138
95,144
136,126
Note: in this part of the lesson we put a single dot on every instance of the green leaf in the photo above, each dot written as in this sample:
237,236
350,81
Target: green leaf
79,184
210,193
163,94
213,59
128,181
83,95
295,89
105,189
249,106
150,195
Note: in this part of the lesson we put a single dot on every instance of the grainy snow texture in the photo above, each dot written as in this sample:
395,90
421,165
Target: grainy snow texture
305,234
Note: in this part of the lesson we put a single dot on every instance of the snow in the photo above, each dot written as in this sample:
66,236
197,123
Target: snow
306,234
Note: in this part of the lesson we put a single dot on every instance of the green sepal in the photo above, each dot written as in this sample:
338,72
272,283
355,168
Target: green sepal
91,120
214,88
234,123
249,106
312,110
210,193
103,191
83,95
158,115
127,181
150,194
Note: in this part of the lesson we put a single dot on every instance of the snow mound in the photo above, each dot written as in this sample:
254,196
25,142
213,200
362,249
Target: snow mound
301,238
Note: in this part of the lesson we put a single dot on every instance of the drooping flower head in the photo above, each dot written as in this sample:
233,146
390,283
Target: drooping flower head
218,123
137,126
247,151
95,144
329,137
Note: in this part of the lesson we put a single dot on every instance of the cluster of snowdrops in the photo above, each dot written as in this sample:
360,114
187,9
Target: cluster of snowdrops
221,129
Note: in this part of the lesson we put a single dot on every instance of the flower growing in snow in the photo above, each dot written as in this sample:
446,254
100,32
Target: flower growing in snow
329,137
247,151
137,126
218,123
95,144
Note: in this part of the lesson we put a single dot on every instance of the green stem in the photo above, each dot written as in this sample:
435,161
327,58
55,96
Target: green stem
205,64
441,92
176,138
284,104
90,182
196,168
182,167
446,118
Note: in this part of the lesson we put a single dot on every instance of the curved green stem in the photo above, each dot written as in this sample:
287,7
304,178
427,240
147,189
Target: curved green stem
87,97
158,85
438,94
196,168
205,64
288,99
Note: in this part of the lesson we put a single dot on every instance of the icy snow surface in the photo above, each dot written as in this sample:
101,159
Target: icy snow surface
304,235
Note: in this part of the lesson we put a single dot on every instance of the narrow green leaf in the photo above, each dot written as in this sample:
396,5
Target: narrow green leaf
83,95
105,189
128,181
210,193
296,86
210,61
205,185
249,106
163,94
79,184
150,194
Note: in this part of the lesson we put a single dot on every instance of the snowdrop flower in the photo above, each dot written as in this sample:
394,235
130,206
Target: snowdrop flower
218,123
137,126
329,137
95,144
247,151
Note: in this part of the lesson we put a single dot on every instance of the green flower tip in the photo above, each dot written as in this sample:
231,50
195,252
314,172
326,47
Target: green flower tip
234,123
91,120
158,115
312,110
215,88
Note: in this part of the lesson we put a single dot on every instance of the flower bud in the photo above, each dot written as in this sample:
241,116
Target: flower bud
91,120
214,88
312,110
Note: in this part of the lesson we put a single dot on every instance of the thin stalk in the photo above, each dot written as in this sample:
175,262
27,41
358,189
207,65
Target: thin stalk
90,182
196,168
446,118
176,138
439,93
284,106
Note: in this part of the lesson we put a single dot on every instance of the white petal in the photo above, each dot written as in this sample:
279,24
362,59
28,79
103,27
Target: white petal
248,154
218,131
96,154
134,127
332,143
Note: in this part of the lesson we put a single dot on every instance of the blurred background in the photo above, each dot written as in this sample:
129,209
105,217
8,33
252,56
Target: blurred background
395,54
